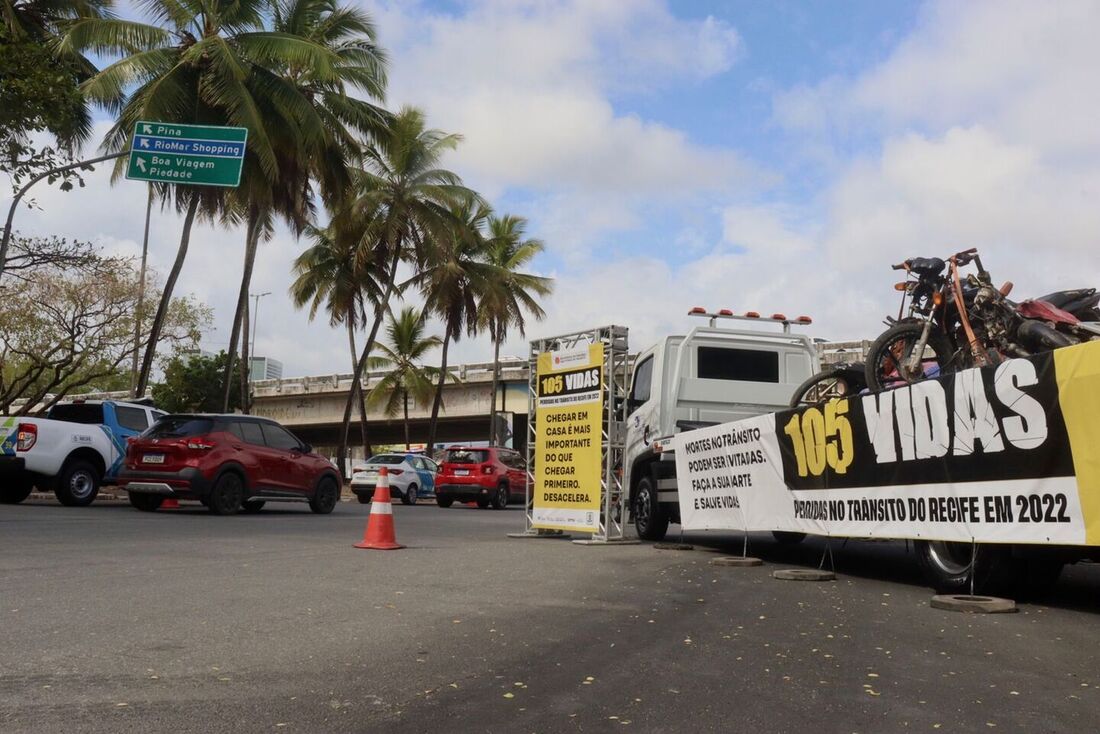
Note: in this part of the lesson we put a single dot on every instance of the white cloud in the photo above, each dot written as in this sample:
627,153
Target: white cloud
530,85
977,131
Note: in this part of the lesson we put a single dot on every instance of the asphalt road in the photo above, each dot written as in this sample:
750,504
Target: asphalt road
113,620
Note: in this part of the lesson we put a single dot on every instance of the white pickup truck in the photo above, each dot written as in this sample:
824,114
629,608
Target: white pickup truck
72,451
709,376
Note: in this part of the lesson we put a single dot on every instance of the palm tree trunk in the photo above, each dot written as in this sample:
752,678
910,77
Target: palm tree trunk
252,240
358,388
166,299
437,402
357,375
496,383
406,397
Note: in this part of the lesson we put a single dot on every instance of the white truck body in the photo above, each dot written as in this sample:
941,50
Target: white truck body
708,376
42,452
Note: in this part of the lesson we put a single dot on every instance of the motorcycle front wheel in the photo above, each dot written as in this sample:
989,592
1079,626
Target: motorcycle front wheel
830,384
888,360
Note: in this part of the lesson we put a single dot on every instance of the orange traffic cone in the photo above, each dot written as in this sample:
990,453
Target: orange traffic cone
379,534
170,503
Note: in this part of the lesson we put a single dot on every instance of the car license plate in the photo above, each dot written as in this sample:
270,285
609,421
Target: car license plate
152,459
462,472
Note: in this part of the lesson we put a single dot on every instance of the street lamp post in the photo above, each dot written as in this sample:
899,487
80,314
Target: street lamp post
256,316
255,320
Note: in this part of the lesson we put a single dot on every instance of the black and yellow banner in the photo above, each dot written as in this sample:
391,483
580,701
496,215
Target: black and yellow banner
568,439
1009,452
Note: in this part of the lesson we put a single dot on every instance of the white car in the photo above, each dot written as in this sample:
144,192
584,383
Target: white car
411,476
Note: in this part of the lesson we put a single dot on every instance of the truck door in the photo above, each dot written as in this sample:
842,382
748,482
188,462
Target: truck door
642,406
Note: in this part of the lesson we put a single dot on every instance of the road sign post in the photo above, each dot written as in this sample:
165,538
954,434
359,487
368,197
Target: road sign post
197,155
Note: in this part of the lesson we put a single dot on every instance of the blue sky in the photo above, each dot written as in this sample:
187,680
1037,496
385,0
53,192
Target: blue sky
771,156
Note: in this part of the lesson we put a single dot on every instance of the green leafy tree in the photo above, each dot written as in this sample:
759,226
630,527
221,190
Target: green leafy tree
193,384
510,294
407,377
68,324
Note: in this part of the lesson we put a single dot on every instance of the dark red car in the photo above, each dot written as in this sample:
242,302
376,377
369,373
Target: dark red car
227,462
489,476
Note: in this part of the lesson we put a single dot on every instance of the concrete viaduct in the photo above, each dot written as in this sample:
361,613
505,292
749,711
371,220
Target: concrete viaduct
313,407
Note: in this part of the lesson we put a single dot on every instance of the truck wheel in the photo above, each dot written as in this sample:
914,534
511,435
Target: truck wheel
947,567
786,537
650,519
146,502
500,497
17,491
325,497
444,501
78,484
225,498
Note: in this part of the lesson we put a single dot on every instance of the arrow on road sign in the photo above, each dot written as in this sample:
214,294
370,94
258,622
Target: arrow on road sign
145,142
148,129
140,162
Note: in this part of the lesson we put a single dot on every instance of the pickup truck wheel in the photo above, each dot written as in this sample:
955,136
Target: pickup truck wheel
947,567
253,506
146,502
16,491
786,537
650,519
225,498
444,501
500,497
78,484
325,497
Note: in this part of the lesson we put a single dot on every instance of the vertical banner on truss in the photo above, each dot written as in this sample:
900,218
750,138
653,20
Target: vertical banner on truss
568,439
577,387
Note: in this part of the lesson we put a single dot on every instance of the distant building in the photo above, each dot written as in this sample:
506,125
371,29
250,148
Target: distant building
266,368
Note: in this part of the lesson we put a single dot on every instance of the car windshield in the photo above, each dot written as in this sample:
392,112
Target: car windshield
386,459
466,456
179,427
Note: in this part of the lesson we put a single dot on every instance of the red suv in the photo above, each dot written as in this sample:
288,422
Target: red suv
489,476
227,462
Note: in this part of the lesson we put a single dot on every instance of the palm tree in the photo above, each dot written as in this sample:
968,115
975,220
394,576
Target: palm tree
406,377
322,144
40,20
453,280
331,274
510,293
404,196
202,62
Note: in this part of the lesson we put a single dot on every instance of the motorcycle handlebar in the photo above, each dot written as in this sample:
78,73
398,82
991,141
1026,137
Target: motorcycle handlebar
900,266
964,257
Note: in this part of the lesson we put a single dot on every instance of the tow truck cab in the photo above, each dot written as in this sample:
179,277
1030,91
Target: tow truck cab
708,376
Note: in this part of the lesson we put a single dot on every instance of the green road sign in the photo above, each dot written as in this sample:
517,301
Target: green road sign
198,155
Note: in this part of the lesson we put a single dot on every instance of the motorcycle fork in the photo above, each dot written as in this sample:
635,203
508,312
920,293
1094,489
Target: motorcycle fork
916,357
